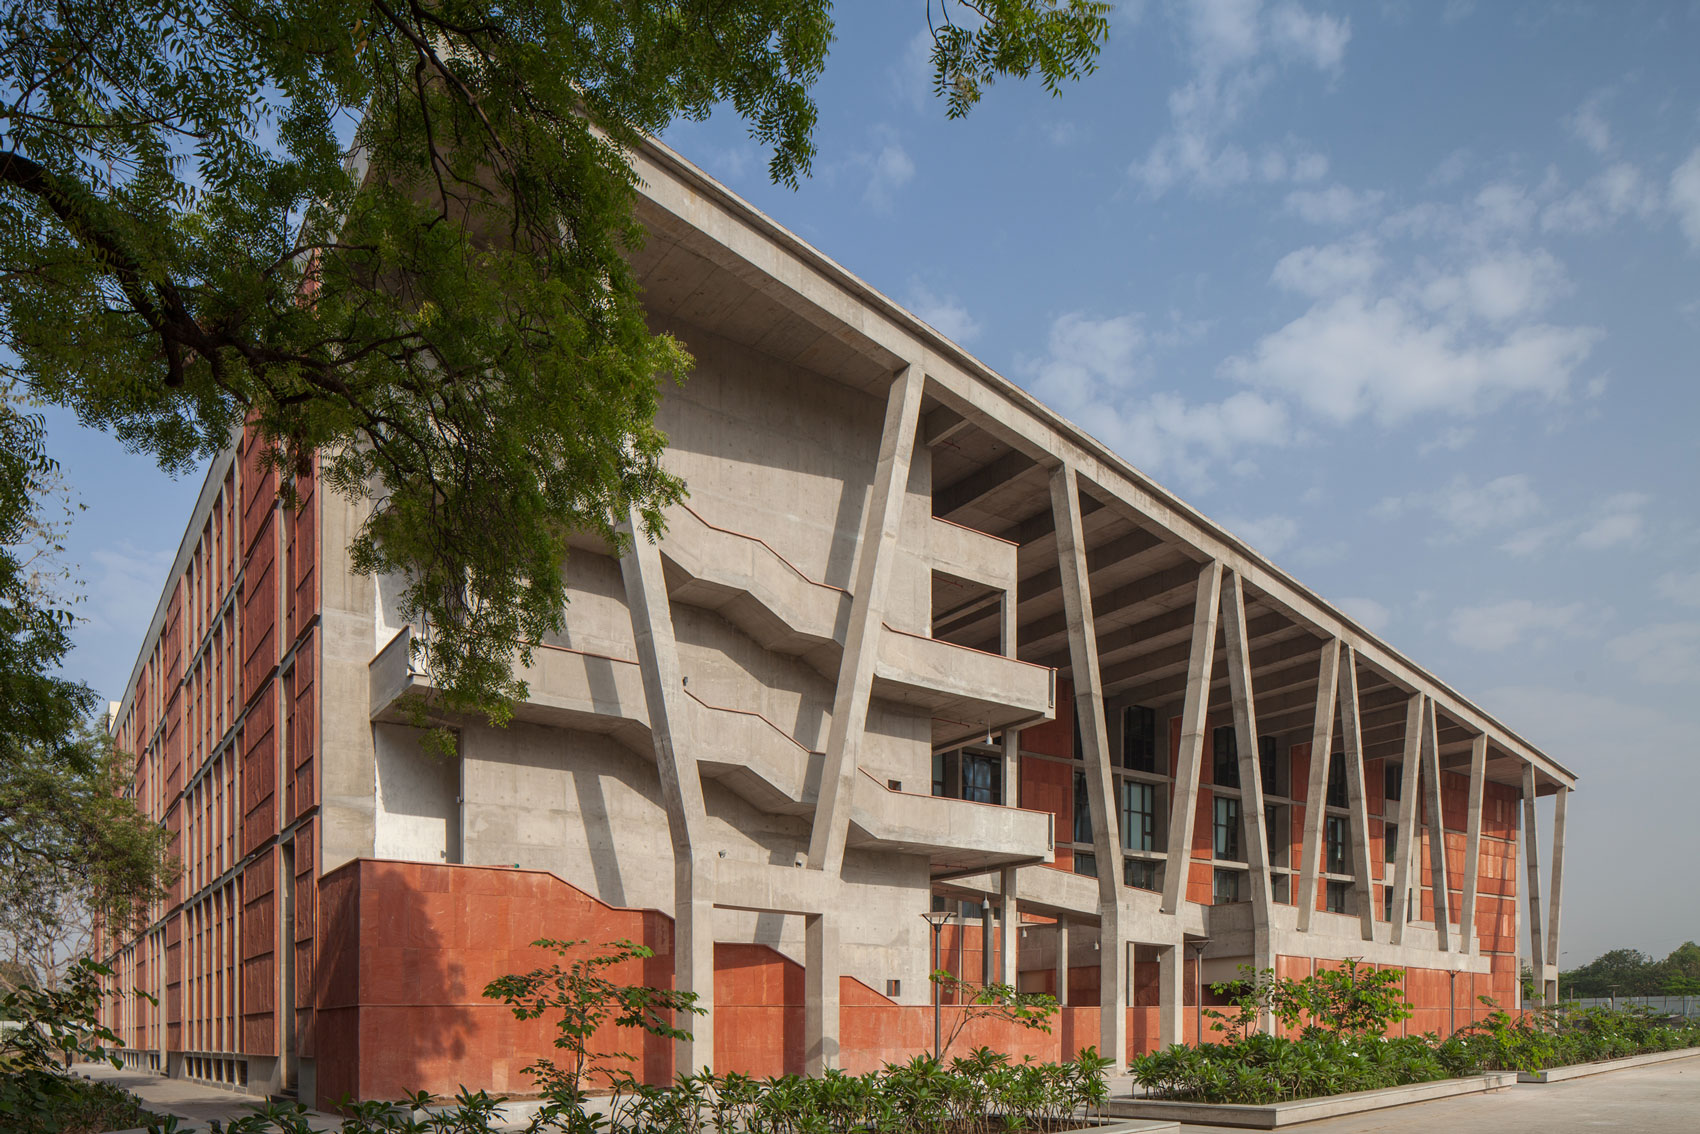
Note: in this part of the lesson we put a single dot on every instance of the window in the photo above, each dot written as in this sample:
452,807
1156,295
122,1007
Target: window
1079,750
1139,816
1387,904
1228,829
1139,873
1082,810
943,780
1226,771
1390,843
1139,738
1268,766
1337,836
1337,892
1272,828
1227,888
1086,863
982,778
1393,780
1337,780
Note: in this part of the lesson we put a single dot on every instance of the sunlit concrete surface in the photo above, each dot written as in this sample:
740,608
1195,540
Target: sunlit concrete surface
1662,1099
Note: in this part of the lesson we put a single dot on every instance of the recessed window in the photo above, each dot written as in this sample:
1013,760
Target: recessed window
1393,780
1268,764
1337,836
1085,862
1225,770
1336,899
1079,748
1139,816
1272,828
1227,841
1082,810
1390,843
982,778
1139,873
894,988
1227,887
1337,780
1139,738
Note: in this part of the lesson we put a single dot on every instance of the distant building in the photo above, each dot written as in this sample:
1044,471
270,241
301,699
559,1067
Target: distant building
914,643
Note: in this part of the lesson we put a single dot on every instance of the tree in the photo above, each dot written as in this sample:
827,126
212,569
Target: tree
388,235
995,1001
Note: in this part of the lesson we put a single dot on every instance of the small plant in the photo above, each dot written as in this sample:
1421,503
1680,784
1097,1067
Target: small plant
1352,1000
1032,1010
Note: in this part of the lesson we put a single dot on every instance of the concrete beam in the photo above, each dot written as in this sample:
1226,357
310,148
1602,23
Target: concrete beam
1095,747
681,789
1473,846
980,483
820,994
1190,761
880,526
1556,881
1357,798
1407,817
1532,860
1439,878
1316,787
1251,778
1171,995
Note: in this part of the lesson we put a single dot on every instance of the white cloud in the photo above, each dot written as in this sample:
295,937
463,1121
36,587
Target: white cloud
1682,588
123,589
1270,535
1666,654
1499,288
889,170
911,74
1329,269
1499,626
1384,357
1685,197
1590,126
1093,372
1468,509
1614,193
943,312
1618,520
1336,205
1237,47
1366,612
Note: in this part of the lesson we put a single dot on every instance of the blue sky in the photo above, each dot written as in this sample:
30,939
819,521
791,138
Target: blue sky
1406,294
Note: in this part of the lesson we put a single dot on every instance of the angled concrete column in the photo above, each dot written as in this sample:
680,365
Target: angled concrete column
1251,774
1316,787
1171,995
1439,879
1357,797
1556,884
1184,804
1062,961
1095,747
1407,816
1467,942
1532,860
820,994
880,526
681,790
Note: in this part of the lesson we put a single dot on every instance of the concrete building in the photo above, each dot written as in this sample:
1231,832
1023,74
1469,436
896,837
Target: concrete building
913,642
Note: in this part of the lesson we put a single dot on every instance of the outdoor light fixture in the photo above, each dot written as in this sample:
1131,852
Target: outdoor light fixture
936,919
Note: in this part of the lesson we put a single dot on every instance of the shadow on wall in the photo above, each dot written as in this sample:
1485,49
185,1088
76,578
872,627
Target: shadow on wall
408,950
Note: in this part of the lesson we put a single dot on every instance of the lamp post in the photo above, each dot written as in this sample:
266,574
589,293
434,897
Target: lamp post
936,919
1198,986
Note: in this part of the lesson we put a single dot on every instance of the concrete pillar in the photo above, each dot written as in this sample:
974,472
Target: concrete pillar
820,994
1473,846
1556,883
1095,746
681,791
1407,816
987,975
1316,787
1439,880
1357,796
1171,995
1009,926
1532,861
1062,961
1251,776
880,525
1200,661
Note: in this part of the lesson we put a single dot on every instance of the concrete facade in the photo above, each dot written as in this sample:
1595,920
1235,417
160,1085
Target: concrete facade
913,640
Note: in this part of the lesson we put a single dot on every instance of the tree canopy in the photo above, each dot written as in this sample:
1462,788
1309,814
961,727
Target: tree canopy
1630,972
388,235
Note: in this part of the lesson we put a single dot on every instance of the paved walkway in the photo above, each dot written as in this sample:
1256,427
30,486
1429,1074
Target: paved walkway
196,1103
1661,1099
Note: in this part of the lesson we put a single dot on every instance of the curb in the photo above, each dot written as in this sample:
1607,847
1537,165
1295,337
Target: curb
1579,1070
1273,1115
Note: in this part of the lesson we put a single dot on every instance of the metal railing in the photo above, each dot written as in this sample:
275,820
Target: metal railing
1685,1006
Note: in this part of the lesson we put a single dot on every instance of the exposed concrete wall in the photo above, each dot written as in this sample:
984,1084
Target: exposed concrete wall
418,806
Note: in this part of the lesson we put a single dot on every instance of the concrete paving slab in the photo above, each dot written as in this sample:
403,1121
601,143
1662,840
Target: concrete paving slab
1660,1099
197,1104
